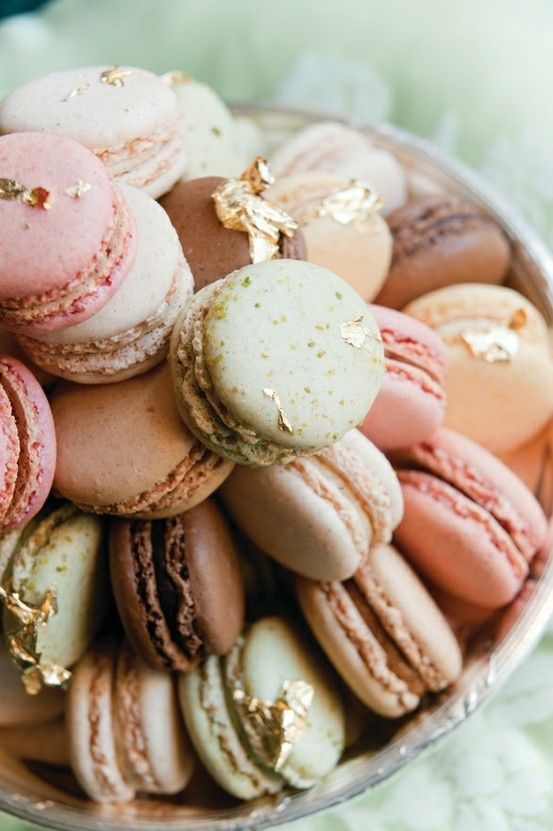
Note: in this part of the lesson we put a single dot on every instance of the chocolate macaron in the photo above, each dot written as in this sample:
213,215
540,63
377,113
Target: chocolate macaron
178,586
212,248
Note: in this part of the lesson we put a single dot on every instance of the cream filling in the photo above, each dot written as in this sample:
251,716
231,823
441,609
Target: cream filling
144,159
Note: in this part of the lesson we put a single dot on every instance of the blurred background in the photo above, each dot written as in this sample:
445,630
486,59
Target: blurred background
474,76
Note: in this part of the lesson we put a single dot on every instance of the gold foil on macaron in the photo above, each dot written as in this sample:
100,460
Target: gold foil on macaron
496,344
281,723
283,420
175,78
355,334
240,207
78,189
355,204
22,643
76,92
37,197
115,76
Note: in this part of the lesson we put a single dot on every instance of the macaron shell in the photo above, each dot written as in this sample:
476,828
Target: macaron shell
360,255
68,562
44,250
274,304
215,737
9,453
37,441
17,708
319,748
457,544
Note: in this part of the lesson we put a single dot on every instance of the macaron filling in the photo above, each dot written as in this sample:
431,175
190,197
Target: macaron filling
99,278
142,160
10,452
110,356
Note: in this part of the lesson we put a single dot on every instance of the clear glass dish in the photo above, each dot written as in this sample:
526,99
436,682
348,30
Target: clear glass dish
26,794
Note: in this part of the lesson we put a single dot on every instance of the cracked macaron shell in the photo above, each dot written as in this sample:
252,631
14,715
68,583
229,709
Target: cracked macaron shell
276,326
469,524
178,586
318,516
440,240
98,425
359,253
492,415
383,632
411,403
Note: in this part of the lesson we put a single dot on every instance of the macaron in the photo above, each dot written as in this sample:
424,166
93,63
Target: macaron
266,716
440,240
10,345
469,525
27,444
19,710
499,348
383,632
212,249
279,360
337,148
127,116
125,732
178,586
131,333
320,515
125,451
54,593
208,127
340,220
68,239
412,401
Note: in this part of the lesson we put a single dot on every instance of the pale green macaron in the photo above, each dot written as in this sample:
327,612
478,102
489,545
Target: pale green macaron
278,360
235,709
53,592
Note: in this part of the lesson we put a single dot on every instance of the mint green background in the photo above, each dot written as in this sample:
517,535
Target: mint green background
476,76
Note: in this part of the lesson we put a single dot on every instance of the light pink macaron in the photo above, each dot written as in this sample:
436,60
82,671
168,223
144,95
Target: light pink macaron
27,444
470,525
68,239
411,403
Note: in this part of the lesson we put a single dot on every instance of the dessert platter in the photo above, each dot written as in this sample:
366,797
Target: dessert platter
276,455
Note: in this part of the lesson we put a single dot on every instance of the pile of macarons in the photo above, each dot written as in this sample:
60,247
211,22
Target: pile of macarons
249,502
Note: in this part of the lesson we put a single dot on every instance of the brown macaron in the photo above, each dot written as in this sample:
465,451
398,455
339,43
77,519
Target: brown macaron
178,586
440,240
213,251
124,449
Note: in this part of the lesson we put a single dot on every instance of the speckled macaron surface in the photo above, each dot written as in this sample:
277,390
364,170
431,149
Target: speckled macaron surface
281,359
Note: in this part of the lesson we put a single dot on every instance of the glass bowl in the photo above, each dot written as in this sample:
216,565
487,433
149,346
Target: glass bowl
27,793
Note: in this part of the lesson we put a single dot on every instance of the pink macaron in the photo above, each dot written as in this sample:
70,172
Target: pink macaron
470,525
27,445
411,403
68,239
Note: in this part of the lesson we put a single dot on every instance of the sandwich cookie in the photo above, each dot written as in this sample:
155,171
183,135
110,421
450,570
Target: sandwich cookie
411,404
127,116
319,516
178,586
131,333
259,724
125,451
125,732
383,632
470,525
68,238
279,360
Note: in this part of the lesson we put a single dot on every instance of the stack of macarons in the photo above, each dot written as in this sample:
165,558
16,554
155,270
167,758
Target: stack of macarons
240,483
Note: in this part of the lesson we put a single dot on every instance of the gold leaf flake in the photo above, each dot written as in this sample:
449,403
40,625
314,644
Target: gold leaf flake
499,343
281,723
356,203
240,207
176,78
10,189
78,189
283,421
357,335
37,197
115,76
76,92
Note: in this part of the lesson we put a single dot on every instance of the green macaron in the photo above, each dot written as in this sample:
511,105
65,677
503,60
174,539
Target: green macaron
278,360
53,589
267,715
